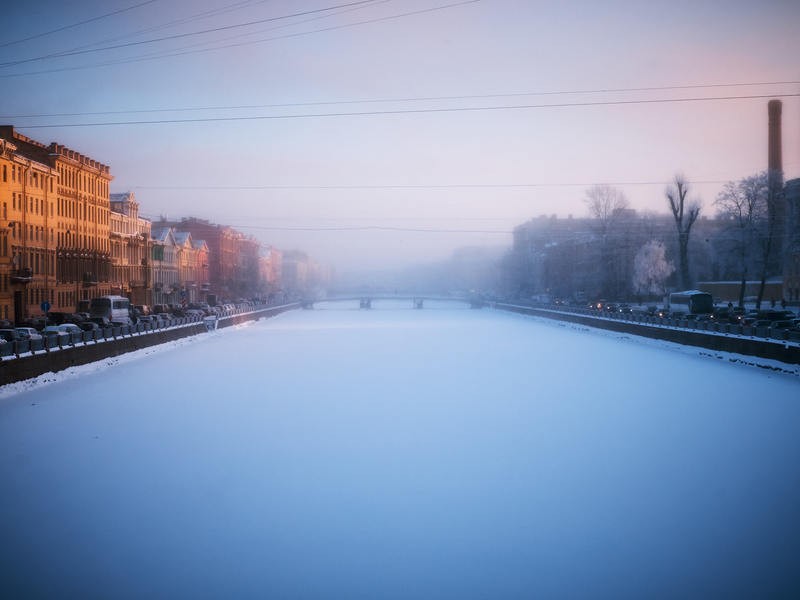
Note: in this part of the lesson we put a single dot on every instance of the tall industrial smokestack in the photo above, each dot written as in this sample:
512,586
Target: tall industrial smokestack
774,160
777,200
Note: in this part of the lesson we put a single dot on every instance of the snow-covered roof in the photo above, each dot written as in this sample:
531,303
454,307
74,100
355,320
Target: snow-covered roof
165,235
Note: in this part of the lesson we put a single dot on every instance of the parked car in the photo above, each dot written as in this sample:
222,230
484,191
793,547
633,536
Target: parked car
102,322
37,323
54,332
165,319
775,315
28,333
201,306
89,326
56,318
63,333
762,323
748,318
9,335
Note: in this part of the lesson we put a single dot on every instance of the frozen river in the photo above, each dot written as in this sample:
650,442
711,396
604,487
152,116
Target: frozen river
398,453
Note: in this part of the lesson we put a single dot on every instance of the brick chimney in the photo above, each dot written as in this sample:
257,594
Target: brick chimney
774,160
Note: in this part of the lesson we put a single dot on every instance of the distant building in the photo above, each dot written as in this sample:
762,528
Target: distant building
233,257
130,249
201,272
270,266
27,255
301,275
164,260
295,271
791,265
192,257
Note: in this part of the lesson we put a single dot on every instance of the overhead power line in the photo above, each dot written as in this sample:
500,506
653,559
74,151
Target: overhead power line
445,186
73,25
181,21
182,35
415,111
402,99
374,228
169,54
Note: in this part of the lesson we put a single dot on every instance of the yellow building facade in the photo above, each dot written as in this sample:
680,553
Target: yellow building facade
27,239
56,226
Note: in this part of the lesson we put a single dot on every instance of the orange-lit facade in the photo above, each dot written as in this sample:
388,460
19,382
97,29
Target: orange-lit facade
27,239
56,225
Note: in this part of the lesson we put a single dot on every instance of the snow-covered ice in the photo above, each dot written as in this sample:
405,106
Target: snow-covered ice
398,453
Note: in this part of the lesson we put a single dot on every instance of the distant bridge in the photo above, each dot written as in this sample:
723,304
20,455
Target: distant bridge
414,301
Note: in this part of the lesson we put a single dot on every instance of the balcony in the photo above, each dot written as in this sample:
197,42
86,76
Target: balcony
89,280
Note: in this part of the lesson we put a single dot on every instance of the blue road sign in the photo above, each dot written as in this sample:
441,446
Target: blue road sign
45,306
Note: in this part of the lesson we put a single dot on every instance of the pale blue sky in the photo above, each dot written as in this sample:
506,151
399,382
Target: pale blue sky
475,49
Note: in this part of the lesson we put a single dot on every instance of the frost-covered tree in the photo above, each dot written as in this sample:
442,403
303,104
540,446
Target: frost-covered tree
651,269
685,214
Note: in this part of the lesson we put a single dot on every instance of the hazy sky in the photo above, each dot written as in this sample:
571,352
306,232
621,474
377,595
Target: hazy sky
414,163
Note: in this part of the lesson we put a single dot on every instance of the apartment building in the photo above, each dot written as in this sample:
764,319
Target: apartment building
130,237
27,244
58,202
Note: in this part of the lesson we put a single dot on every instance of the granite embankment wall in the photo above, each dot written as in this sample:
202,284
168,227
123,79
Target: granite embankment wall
747,341
59,357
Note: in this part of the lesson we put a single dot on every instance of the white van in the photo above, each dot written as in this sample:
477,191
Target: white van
114,308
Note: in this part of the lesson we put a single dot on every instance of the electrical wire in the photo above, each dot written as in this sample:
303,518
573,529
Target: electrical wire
78,24
408,186
373,228
194,17
402,99
415,111
182,35
270,39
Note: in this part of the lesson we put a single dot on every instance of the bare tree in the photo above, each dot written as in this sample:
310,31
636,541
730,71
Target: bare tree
744,203
685,214
606,205
772,231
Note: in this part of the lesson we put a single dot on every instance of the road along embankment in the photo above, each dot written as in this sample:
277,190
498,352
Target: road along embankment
51,356
739,343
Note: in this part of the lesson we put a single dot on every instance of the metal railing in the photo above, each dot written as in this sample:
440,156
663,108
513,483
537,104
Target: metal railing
51,343
705,325
765,342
